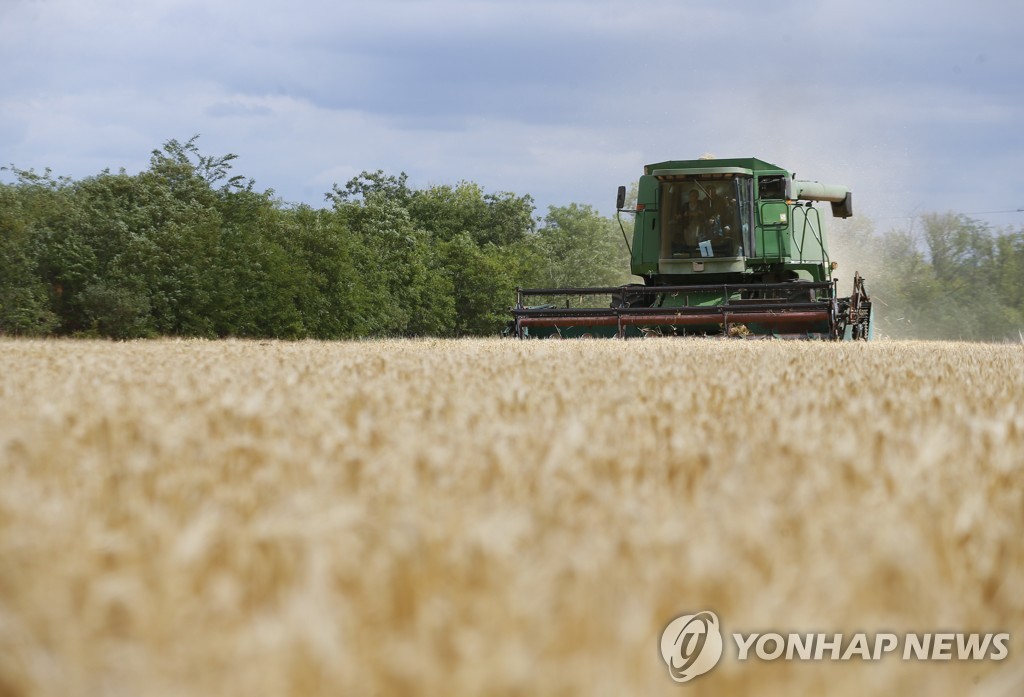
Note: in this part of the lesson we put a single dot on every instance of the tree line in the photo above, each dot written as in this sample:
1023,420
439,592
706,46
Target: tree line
942,276
187,248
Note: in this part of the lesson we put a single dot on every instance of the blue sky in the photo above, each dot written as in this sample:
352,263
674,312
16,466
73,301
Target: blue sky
917,106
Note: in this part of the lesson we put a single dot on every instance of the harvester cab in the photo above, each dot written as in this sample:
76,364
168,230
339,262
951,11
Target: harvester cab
726,247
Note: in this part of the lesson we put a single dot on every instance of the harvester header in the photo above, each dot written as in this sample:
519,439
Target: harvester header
726,247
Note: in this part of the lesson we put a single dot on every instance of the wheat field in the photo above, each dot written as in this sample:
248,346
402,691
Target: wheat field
491,517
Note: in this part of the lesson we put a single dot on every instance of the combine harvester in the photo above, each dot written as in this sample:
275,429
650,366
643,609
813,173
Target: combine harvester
726,247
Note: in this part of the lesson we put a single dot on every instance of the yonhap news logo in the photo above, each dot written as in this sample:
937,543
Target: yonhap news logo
693,644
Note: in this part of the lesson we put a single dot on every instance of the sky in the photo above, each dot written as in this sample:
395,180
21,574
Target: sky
917,106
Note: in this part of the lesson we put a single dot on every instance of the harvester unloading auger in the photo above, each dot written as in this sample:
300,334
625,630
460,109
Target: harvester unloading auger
726,247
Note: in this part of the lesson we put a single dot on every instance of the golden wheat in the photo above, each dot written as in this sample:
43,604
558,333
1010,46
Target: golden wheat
499,518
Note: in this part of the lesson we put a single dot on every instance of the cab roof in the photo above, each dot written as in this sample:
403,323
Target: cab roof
753,164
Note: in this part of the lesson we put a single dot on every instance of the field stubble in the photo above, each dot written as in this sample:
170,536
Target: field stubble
500,518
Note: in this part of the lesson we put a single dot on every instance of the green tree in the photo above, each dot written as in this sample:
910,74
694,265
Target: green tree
482,284
950,278
576,246
359,188
445,212
412,295
1008,270
24,296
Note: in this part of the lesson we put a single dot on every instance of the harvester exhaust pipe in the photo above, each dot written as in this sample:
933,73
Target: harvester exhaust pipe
839,196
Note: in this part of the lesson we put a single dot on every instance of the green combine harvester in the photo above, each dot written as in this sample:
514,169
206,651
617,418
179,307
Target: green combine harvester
726,248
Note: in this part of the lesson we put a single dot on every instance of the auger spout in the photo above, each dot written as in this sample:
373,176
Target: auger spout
838,195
